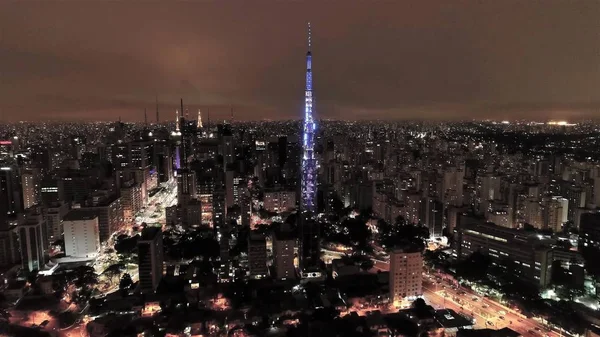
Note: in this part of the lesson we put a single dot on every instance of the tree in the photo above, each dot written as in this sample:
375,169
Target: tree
114,271
85,276
125,284
474,267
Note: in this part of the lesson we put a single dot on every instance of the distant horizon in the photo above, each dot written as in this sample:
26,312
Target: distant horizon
220,121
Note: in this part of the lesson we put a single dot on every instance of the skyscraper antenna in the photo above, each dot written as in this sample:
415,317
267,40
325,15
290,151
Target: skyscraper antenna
231,114
199,125
145,117
207,116
182,112
309,37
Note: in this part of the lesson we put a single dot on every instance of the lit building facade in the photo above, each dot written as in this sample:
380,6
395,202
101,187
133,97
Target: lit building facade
257,255
81,234
280,201
406,275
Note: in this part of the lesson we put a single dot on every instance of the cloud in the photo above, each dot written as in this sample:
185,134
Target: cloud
432,59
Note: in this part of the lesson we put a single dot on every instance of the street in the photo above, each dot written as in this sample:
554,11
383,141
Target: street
440,291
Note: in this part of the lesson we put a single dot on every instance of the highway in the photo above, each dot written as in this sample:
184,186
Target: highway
154,212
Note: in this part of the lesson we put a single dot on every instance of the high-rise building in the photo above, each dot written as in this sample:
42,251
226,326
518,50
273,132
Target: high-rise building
110,214
53,215
432,215
406,274
257,255
31,239
309,229
81,234
280,201
284,242
150,259
132,199
227,148
10,191
186,186
29,186
555,213
52,191
9,245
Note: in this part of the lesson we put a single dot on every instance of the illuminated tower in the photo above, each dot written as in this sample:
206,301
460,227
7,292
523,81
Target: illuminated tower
310,250
309,162
199,120
177,135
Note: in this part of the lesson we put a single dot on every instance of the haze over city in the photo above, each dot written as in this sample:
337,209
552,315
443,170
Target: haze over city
299,168
388,60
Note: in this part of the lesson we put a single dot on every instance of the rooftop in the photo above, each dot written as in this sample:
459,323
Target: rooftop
80,214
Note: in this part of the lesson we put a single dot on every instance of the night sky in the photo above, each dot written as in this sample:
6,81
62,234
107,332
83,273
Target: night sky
84,60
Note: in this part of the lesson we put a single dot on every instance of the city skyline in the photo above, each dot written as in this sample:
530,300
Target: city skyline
429,61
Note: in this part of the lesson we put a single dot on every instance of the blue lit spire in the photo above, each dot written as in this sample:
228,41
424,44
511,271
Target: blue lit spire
309,162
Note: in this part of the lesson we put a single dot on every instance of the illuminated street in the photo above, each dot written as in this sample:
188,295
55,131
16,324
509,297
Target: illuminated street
442,293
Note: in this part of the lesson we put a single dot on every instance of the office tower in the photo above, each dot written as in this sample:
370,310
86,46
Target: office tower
32,243
528,255
309,161
227,147
490,190
533,213
453,186
219,207
81,233
131,199
150,259
432,215
51,191
229,187
163,160
554,213
310,247
9,245
140,153
29,186
246,209
10,191
406,274
109,211
257,255
186,186
284,242
53,215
